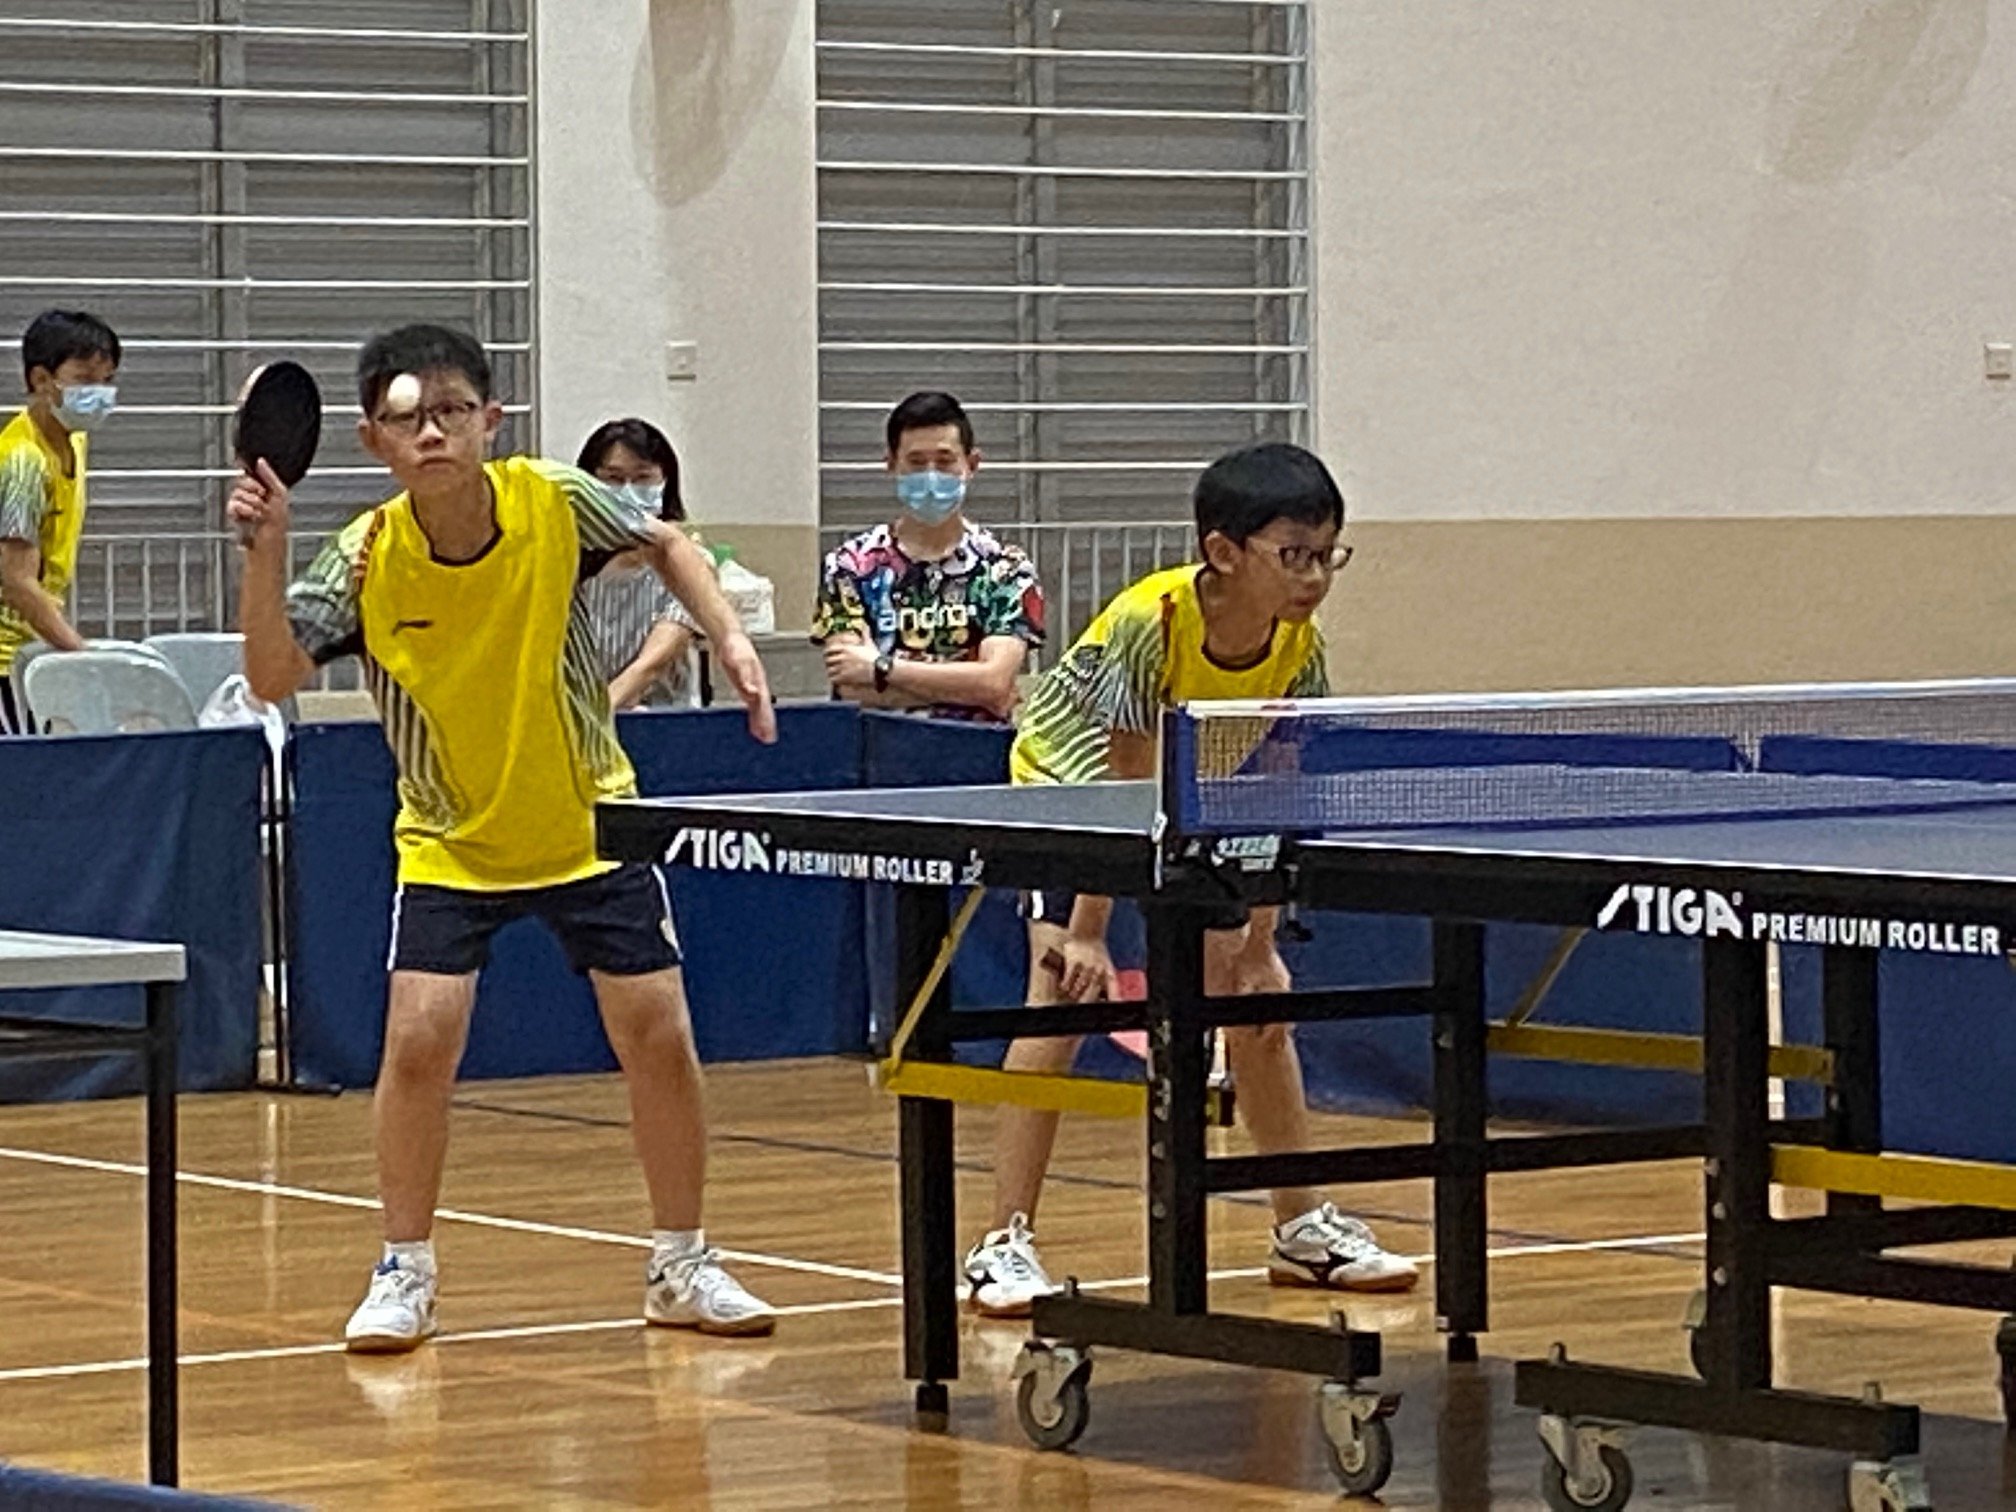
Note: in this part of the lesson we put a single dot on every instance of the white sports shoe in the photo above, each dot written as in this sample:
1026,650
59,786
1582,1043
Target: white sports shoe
1325,1248
1004,1275
695,1292
397,1313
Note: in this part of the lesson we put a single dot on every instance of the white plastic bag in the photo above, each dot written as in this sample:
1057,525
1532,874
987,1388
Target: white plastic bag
234,703
752,596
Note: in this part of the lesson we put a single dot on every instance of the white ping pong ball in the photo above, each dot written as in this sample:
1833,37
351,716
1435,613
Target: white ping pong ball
403,392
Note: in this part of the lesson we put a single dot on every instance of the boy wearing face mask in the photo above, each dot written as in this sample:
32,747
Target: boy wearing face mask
929,612
69,360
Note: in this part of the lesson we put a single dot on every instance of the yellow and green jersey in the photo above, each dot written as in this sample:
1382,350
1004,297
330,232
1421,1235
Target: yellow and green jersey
1143,654
42,503
485,675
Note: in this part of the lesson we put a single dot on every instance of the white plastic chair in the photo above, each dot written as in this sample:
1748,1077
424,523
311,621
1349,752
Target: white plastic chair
24,657
201,658
105,691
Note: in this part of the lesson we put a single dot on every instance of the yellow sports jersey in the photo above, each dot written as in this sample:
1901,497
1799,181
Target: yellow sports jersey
1143,654
485,676
40,505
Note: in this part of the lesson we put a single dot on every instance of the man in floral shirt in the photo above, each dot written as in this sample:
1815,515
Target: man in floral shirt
929,612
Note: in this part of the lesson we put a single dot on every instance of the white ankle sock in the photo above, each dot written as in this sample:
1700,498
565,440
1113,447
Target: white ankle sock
413,1255
677,1244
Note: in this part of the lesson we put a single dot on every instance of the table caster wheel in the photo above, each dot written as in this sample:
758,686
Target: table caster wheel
1359,1442
2005,1350
1898,1486
1696,1324
1052,1394
1586,1469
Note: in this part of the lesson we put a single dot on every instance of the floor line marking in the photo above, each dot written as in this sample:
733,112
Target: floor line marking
449,1215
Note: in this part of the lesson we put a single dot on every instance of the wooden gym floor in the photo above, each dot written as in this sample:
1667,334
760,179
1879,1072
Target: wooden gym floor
547,1391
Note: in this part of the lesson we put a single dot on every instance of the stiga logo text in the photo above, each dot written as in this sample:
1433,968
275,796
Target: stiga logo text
748,851
1703,913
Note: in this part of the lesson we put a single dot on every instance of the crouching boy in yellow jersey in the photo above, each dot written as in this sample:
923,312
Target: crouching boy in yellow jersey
1240,624
458,595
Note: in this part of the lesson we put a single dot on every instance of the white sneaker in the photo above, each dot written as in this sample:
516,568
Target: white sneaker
1325,1248
695,1292
397,1313
1004,1275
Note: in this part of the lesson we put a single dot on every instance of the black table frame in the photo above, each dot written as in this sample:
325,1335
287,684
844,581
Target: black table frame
1748,1251
154,1043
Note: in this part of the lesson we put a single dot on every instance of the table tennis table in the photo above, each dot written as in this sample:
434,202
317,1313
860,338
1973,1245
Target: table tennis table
1848,821
33,961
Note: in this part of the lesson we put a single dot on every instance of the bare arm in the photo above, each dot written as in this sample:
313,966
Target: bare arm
663,647
986,682
21,587
275,665
684,568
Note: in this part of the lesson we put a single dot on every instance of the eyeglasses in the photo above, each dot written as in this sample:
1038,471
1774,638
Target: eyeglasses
452,417
1304,559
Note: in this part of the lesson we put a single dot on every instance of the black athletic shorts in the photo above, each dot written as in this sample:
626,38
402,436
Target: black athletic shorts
619,923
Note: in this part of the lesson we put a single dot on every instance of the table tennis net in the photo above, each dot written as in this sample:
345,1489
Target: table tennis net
1528,760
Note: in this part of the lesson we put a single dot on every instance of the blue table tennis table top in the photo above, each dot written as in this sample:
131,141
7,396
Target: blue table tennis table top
1973,842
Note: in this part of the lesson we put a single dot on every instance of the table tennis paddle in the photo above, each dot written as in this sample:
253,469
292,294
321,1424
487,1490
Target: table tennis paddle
279,422
1131,986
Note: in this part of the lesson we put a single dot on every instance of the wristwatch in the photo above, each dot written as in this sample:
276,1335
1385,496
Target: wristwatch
882,665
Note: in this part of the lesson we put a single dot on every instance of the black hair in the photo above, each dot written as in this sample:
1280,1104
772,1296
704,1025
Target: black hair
56,336
926,411
419,349
648,442
1245,491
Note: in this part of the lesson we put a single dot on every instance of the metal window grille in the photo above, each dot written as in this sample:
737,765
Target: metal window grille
1091,222
227,181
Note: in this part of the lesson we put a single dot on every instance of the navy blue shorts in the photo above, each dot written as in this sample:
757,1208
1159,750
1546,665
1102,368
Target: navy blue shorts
619,923
1127,934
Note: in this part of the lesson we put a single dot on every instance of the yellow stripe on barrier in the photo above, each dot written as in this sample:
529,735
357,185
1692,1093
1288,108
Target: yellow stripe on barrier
1021,1089
1927,1178
1647,1052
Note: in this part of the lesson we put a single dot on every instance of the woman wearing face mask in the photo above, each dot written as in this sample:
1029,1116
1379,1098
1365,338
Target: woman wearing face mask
930,612
642,633
69,360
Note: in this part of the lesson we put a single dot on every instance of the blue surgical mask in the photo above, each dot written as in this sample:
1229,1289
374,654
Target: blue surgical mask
932,497
83,405
645,498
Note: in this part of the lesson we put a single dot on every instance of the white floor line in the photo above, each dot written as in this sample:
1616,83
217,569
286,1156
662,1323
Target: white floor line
796,1310
446,1215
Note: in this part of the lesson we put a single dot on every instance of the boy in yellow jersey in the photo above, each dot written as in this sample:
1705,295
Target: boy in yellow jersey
1240,624
70,360
459,597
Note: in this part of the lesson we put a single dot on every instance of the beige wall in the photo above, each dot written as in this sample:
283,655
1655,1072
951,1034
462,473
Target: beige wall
1565,604
1650,338
1731,257
677,204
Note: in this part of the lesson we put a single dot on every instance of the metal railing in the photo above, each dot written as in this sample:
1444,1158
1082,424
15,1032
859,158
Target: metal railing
133,586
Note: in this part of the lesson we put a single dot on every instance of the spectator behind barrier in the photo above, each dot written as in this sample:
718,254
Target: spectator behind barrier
643,634
929,613
68,362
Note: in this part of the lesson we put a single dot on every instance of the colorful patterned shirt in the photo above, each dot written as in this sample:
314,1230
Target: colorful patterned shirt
937,611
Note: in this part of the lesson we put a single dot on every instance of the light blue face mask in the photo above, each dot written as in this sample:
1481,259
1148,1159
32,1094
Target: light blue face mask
645,498
84,405
931,497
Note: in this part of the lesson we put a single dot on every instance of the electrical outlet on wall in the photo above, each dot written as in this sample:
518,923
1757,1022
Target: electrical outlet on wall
2000,359
682,361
